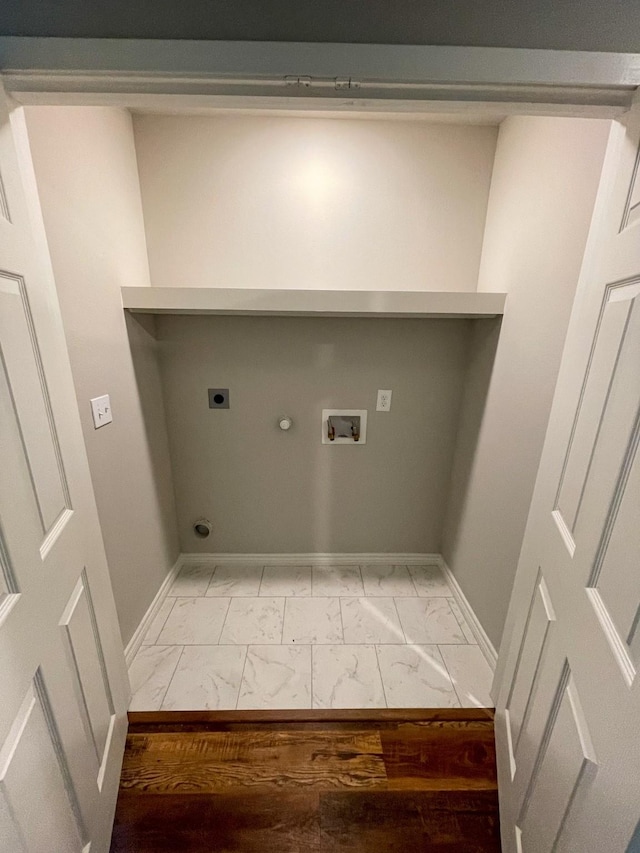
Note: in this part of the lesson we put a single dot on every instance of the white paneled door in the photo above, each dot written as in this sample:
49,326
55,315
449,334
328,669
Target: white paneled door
568,703
63,683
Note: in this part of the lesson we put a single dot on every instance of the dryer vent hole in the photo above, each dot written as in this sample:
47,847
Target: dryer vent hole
202,529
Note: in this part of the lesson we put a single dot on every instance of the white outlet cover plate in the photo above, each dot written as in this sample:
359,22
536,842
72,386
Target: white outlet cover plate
384,396
101,411
363,426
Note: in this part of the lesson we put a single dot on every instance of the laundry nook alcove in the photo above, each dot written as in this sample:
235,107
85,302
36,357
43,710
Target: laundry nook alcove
330,344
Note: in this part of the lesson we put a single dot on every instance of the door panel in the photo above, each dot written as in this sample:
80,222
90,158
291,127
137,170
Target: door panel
33,773
532,651
568,691
564,762
24,371
609,337
93,692
64,683
618,580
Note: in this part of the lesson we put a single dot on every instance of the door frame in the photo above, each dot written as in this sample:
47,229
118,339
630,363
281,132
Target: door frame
406,81
320,78
416,79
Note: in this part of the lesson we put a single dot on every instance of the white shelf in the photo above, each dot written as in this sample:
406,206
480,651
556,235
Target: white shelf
311,303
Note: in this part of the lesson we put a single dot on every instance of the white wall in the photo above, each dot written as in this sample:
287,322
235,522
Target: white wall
85,166
271,491
543,190
313,203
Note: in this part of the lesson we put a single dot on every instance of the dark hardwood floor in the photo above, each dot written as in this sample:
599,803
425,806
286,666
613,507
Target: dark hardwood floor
301,782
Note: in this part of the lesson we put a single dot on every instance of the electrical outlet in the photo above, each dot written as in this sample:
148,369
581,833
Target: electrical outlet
384,401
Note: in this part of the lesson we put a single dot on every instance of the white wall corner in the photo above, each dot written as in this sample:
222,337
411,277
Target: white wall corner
484,643
135,642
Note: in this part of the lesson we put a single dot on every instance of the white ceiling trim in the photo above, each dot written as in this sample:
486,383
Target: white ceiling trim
132,72
395,63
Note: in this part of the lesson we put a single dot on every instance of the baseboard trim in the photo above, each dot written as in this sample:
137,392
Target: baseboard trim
314,559
136,641
484,643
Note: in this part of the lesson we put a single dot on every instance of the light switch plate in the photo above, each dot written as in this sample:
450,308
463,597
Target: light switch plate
101,411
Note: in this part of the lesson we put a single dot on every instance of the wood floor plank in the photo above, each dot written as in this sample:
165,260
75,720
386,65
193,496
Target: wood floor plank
402,821
441,758
197,823
215,762
337,783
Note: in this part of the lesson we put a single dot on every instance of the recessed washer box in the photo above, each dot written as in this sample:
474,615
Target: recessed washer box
342,414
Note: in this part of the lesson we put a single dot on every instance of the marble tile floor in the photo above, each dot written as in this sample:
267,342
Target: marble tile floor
286,637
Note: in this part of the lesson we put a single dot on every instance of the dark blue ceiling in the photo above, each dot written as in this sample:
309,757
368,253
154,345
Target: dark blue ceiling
608,25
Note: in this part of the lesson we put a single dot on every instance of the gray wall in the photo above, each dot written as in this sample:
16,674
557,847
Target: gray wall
270,491
86,172
544,183
553,24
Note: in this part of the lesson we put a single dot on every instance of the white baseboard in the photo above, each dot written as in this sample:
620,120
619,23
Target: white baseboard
484,643
316,559
136,641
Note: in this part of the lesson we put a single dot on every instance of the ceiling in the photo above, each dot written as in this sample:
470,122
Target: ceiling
586,25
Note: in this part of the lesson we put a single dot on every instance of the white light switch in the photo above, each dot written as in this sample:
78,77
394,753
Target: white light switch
101,411
384,401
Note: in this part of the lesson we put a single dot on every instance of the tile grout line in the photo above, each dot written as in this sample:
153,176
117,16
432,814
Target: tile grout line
340,607
413,581
224,622
164,695
384,690
164,624
284,610
364,591
457,621
312,694
244,666
395,607
210,581
451,678
159,632
462,622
